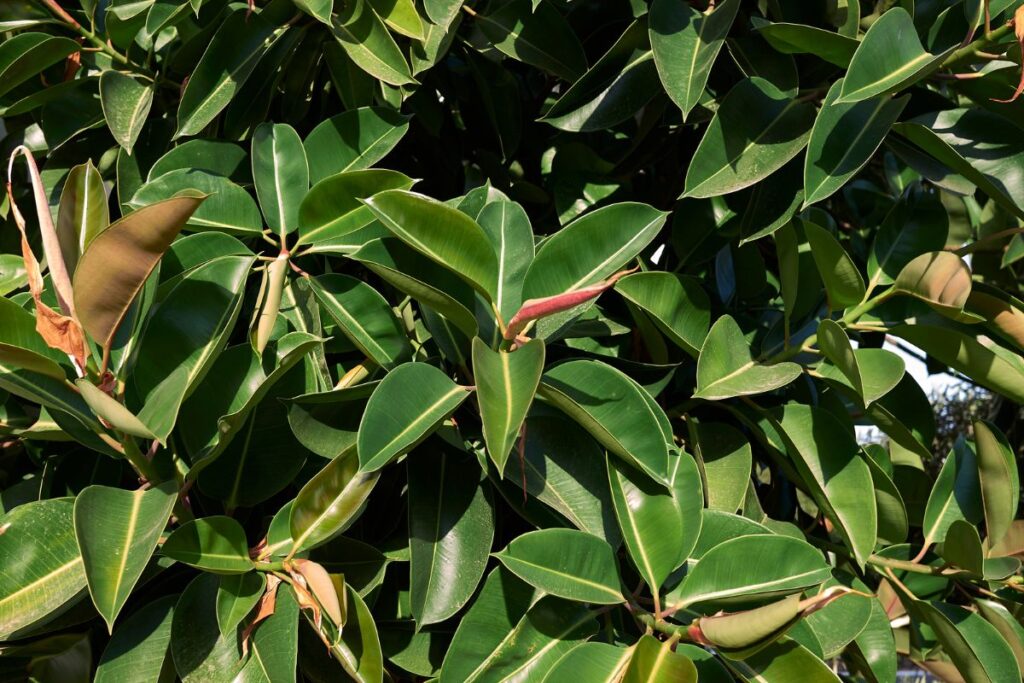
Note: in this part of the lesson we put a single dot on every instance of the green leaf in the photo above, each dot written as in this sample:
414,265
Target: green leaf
140,647
741,568
483,631
404,409
353,140
975,646
986,363
755,131
678,305
280,173
917,224
364,316
332,215
540,38
400,16
274,649
508,228
237,594
83,213
998,478
214,544
828,459
126,104
783,661
26,54
506,383
570,564
185,333
618,85
359,648
215,157
123,526
869,373
628,423
725,457
893,523
201,654
659,527
329,502
726,369
956,494
451,527
327,422
443,234
787,38
594,662
318,9
424,280
979,145
227,63
565,470
686,42
844,284
364,37
654,660
844,138
118,260
889,58
592,248
962,547
228,208
34,584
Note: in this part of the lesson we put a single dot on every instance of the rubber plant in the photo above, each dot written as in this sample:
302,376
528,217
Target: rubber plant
509,340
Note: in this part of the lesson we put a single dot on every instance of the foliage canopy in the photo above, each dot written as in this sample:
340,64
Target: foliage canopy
516,340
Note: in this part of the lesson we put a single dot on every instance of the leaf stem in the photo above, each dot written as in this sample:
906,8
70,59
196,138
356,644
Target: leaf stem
138,460
971,51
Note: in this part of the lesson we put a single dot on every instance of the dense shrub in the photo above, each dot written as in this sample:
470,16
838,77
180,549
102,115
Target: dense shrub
520,340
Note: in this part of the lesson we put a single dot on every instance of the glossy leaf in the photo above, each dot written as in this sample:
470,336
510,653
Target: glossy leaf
125,525
451,526
631,426
654,660
404,409
280,173
541,38
367,42
329,502
564,562
126,104
228,208
444,235
83,212
140,646
214,544
332,217
725,367
756,130
998,479
237,594
506,383
364,316
678,305
34,584
686,42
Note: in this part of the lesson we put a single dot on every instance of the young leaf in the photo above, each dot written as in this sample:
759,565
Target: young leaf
280,173
506,383
329,502
213,544
83,212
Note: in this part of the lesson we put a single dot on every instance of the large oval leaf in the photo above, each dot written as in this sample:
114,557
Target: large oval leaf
114,523
726,369
678,305
36,584
404,409
140,647
83,212
443,234
629,423
280,173
364,316
228,208
998,478
506,383
756,130
353,140
451,526
215,544
329,502
571,564
758,566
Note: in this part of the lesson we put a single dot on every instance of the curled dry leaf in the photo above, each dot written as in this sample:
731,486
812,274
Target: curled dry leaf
265,608
1018,30
62,332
